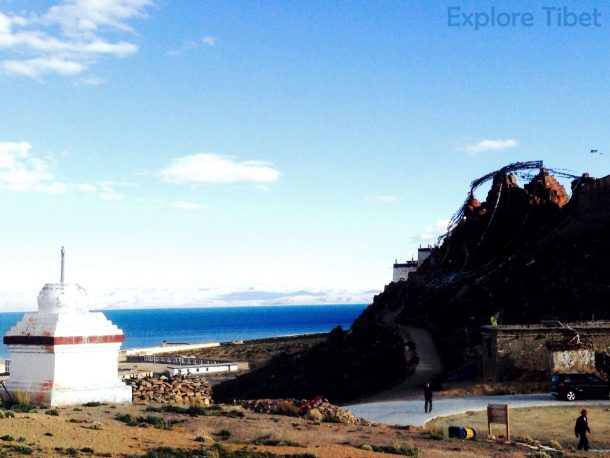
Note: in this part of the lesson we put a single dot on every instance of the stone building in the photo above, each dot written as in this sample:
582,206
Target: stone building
402,270
514,352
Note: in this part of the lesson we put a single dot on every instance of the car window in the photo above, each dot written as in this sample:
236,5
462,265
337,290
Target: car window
594,379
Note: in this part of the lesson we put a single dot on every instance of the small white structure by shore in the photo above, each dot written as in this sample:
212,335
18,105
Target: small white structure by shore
64,354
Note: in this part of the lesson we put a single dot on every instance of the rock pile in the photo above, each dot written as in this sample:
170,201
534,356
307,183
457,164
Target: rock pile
178,390
317,409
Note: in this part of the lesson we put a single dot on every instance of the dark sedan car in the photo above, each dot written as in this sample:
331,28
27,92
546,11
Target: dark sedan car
577,385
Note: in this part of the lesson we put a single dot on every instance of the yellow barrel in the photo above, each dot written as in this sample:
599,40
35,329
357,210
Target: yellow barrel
470,433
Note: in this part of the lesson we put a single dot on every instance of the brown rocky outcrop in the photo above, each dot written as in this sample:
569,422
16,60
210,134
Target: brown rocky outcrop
545,189
308,409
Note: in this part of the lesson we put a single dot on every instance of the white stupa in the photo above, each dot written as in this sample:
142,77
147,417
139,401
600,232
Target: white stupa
65,354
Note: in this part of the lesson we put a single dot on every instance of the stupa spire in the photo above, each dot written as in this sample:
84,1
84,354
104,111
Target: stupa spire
63,253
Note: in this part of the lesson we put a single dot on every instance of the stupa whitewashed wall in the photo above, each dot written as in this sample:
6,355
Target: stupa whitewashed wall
65,354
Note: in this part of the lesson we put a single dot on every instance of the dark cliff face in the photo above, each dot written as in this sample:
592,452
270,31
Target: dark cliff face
525,255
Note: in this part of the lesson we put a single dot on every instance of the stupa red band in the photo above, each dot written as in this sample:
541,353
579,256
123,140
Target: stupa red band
61,340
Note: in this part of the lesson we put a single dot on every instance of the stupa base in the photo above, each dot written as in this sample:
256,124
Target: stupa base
46,393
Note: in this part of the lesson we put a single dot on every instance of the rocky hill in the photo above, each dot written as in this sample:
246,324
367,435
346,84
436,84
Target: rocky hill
523,255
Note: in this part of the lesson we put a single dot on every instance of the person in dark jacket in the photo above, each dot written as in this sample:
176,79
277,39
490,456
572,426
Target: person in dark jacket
428,397
581,429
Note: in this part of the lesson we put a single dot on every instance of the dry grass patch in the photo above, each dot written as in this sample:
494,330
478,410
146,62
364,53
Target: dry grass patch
549,426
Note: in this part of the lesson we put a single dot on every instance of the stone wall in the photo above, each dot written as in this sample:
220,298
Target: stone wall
179,390
521,352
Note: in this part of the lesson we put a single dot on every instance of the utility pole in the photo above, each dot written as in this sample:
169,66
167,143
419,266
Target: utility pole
594,152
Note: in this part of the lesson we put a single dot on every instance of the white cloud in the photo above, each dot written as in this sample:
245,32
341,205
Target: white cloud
21,172
68,38
78,17
382,199
107,190
214,168
489,145
184,205
35,68
432,232
191,45
209,40
92,80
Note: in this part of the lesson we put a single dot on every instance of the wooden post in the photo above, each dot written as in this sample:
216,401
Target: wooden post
507,424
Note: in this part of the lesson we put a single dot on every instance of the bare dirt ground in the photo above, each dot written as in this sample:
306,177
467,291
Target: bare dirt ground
258,352
94,431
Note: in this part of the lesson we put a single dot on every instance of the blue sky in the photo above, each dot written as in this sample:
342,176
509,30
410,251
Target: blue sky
186,152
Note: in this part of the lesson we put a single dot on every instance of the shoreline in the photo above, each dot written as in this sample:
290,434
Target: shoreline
148,351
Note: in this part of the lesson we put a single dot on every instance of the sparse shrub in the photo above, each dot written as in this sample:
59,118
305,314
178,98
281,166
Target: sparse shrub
93,404
48,434
77,409
2,414
215,451
98,425
21,449
87,450
205,439
195,411
127,419
366,447
288,408
223,434
9,414
72,451
267,440
331,418
315,415
156,422
21,397
555,444
21,402
53,412
401,449
437,432
541,454
21,439
7,438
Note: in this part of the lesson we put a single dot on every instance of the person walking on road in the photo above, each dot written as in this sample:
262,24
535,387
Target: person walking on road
428,397
581,429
